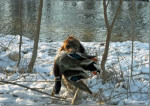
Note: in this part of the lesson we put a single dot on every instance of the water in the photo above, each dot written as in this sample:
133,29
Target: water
83,18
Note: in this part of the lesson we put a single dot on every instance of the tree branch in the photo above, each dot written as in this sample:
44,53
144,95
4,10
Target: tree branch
116,14
105,14
33,89
107,3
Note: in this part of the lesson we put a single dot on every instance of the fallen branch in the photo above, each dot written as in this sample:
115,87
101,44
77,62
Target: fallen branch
35,81
33,89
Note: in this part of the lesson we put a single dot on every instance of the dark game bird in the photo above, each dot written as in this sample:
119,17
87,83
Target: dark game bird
73,63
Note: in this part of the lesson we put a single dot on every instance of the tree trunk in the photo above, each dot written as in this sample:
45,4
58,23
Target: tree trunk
109,31
20,30
133,17
105,54
36,39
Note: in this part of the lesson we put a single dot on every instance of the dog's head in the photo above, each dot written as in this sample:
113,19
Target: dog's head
72,44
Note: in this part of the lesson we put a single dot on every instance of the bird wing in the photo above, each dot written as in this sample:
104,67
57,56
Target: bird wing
76,56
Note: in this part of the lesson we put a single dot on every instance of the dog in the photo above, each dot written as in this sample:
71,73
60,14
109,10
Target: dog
71,62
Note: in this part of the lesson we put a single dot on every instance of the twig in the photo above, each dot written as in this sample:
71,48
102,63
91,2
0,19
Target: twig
11,41
141,64
119,62
107,3
42,76
124,93
141,73
75,97
35,81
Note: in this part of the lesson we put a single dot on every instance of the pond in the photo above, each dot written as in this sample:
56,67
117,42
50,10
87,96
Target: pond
83,18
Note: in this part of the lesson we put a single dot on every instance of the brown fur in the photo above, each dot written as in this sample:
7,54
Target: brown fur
72,44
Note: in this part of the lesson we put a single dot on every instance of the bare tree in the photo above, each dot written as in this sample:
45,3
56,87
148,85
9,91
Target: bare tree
132,15
109,30
132,19
20,30
36,38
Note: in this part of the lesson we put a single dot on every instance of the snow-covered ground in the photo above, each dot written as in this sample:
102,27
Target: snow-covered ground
123,87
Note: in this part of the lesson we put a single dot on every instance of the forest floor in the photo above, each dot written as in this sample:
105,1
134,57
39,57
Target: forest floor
122,87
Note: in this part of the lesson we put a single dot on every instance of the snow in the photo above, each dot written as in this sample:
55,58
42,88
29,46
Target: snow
114,91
